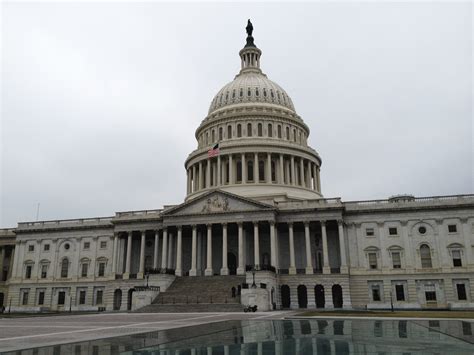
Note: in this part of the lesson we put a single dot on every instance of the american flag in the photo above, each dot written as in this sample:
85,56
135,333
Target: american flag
213,151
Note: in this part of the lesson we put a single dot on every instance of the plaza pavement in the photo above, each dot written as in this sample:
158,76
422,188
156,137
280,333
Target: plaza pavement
29,332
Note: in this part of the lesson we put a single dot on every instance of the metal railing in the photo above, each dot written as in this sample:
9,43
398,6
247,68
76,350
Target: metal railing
184,299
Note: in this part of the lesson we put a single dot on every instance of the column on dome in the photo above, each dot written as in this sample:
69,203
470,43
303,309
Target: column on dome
315,185
309,260
208,173
231,170
188,180
241,267
179,244
194,186
209,271
326,267
141,269
219,171
342,246
308,174
281,179
287,172
302,179
224,269
200,185
318,179
293,171
256,244
193,272
292,270
256,167
269,169
243,169
155,251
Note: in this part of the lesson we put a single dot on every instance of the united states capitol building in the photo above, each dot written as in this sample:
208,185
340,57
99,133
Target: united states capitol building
254,228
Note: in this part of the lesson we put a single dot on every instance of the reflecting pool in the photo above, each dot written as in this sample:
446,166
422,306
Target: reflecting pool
318,336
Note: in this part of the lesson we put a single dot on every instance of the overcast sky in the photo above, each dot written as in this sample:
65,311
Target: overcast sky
100,101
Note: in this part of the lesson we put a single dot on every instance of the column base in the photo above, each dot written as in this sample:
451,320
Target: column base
326,270
192,272
140,275
208,272
224,271
344,269
309,270
126,275
240,271
178,272
292,271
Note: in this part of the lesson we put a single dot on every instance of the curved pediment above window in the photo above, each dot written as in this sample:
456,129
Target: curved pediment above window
395,248
422,228
455,246
371,248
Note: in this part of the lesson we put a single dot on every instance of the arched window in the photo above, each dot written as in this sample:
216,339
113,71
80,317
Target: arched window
273,171
279,131
239,130
249,93
220,133
270,130
261,170
288,133
425,256
233,94
256,92
241,92
239,171
249,170
260,130
229,132
207,138
249,130
64,267
213,136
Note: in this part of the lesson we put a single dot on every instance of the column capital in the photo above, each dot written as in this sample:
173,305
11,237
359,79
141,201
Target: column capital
290,224
323,223
144,232
340,222
240,224
272,223
209,225
255,223
306,223
224,225
179,228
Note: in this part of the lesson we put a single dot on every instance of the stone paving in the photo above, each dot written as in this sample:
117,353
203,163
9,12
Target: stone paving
24,333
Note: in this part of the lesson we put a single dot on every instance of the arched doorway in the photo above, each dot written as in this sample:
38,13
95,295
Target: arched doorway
337,296
302,297
285,296
129,300
319,296
117,299
232,263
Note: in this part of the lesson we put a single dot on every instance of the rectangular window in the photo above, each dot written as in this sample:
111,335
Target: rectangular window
84,269
24,300
430,293
82,297
397,263
376,293
462,295
46,247
101,269
103,245
44,271
98,298
400,292
452,228
61,298
41,298
87,245
457,262
28,272
31,248
369,232
392,231
373,260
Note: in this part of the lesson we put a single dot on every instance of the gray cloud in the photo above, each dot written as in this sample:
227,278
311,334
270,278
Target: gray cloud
100,101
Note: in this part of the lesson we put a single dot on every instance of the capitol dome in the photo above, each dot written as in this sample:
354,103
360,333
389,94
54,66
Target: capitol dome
252,143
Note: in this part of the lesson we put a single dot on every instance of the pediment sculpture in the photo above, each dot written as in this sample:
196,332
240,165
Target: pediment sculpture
216,204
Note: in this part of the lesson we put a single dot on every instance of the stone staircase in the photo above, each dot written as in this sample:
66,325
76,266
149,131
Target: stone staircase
198,294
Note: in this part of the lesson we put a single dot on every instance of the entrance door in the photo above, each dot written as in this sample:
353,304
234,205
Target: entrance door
337,296
2,299
302,296
319,295
129,300
117,299
285,296
232,263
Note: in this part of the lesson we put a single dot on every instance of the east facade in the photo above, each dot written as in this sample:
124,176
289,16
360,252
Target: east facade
254,208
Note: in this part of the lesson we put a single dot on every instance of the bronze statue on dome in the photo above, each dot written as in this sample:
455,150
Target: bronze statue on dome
249,30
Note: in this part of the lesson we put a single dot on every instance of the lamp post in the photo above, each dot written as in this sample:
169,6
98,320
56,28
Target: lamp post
147,275
253,276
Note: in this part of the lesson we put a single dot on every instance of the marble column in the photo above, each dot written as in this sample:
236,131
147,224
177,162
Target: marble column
219,171
164,249
256,167
208,173
114,257
209,271
293,171
188,179
179,245
243,169
273,248
199,253
129,255
224,269
241,267
308,175
302,172
318,180
292,270
155,252
200,182
326,267
315,184
309,260
141,270
194,186
342,246
281,179
256,244
193,272
231,170
170,250
269,169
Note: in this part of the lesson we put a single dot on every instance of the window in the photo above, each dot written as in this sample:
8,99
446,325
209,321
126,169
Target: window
376,293
229,130
84,269
99,295
28,272
372,260
425,256
422,230
260,130
396,260
46,247
31,247
270,130
67,246
41,298
239,130
249,130
64,267
392,231
400,292
24,300
369,232
430,293
461,289
213,136
220,129
456,254
61,298
44,271
101,269
256,92
103,245
82,297
261,170
452,228
250,170
279,131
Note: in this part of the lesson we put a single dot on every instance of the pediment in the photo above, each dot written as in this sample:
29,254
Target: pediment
217,201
